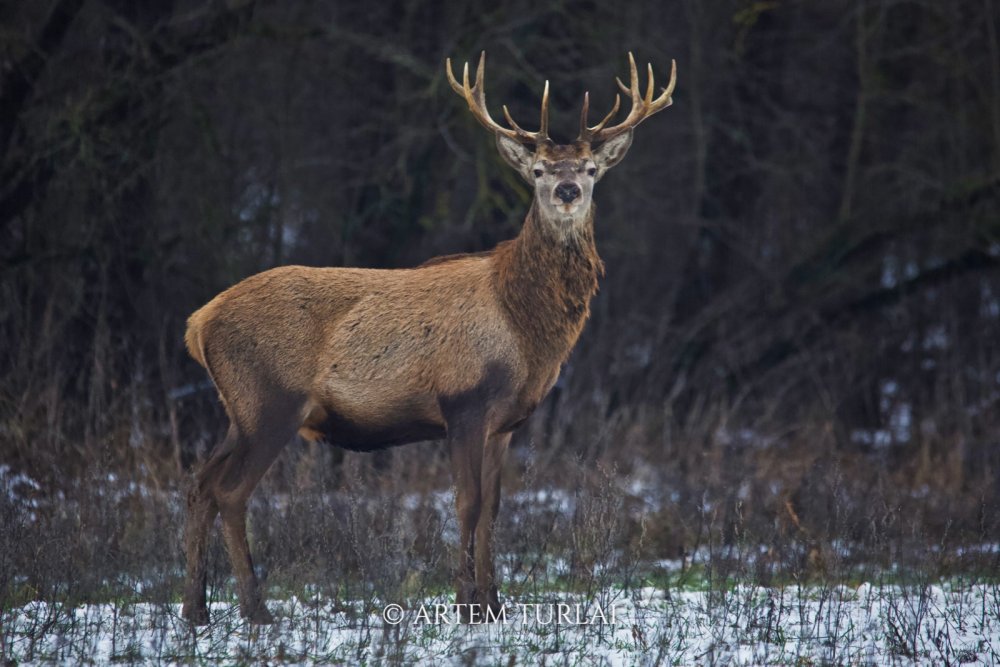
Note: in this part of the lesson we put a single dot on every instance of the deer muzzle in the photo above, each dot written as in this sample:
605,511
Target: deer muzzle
567,191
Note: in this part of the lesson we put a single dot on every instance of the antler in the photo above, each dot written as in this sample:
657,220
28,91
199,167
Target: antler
642,107
476,99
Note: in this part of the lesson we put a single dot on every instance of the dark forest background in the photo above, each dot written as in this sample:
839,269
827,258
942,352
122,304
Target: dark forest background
796,339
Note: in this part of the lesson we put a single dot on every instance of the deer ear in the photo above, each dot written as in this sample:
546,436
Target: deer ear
611,152
516,155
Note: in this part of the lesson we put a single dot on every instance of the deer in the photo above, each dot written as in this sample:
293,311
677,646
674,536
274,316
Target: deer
461,348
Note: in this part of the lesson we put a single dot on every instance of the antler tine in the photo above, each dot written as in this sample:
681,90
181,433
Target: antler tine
632,89
451,77
669,90
586,133
475,97
543,125
642,106
543,132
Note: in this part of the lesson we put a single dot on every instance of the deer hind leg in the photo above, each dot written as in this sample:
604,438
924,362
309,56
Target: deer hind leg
238,479
234,533
232,478
201,512
486,581
465,444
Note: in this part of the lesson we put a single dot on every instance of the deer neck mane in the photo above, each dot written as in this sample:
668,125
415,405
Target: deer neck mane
545,281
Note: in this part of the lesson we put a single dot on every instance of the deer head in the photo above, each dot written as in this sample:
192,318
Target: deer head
563,175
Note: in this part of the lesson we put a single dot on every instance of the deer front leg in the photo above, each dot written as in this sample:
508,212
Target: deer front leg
486,580
466,449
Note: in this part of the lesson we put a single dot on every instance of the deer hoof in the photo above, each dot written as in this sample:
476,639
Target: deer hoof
259,616
195,615
465,593
492,597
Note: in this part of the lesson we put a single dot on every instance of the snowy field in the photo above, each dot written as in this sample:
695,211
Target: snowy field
868,625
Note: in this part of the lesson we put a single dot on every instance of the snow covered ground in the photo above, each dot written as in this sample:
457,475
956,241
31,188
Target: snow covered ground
868,625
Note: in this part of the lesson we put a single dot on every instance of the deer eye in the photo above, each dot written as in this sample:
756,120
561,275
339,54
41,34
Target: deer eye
538,173
591,171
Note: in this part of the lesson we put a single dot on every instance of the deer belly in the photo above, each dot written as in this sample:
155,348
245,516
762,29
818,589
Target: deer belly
364,427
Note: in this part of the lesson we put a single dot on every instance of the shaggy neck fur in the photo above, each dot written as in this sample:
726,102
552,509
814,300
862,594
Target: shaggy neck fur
545,281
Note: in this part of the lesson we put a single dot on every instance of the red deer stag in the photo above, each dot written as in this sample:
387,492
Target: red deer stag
463,347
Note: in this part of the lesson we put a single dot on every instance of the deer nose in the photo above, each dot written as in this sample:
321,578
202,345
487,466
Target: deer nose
567,191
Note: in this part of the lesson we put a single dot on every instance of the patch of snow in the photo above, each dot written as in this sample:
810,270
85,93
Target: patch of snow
748,625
